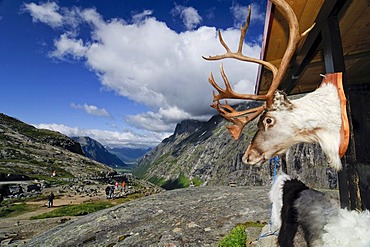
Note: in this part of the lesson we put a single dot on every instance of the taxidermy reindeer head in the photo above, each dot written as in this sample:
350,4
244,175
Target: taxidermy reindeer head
319,116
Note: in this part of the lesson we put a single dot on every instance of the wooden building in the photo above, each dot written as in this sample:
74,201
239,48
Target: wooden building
339,42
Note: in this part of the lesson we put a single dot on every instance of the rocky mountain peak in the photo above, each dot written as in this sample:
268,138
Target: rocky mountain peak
188,126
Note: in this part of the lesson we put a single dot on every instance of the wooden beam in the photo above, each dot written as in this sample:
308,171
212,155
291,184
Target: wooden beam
349,188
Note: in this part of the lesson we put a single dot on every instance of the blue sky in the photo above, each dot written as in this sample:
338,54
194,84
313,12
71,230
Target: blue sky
123,72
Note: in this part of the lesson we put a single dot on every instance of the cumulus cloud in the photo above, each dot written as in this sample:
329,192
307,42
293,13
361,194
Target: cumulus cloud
46,13
189,16
91,109
67,46
153,65
240,13
163,120
110,138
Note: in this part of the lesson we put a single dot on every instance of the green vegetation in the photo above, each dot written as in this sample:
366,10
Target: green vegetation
140,171
197,181
237,237
157,180
86,208
75,210
16,206
180,182
12,210
167,158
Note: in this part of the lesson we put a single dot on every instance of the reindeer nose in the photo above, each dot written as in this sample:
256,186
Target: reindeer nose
251,156
245,159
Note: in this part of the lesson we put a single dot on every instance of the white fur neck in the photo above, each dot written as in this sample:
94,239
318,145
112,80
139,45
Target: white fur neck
276,198
318,117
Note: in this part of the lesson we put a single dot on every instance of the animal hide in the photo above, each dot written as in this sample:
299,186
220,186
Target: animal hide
323,222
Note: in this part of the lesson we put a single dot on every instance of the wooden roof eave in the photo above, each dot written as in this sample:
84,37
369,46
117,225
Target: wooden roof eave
265,40
304,52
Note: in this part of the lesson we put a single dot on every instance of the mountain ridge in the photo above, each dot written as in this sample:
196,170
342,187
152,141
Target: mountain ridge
38,153
96,151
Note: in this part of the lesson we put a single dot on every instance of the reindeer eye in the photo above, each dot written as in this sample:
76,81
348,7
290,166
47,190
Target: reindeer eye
269,121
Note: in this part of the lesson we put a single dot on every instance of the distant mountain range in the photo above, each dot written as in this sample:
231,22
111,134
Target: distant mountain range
96,151
116,158
129,155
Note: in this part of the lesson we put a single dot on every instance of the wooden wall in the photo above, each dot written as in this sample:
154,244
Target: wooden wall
360,112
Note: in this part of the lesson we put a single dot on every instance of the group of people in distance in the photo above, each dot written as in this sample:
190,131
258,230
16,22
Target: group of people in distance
109,190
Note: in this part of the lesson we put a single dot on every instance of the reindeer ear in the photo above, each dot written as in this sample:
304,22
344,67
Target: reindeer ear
281,101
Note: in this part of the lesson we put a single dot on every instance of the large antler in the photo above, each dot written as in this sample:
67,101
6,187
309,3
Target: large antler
241,118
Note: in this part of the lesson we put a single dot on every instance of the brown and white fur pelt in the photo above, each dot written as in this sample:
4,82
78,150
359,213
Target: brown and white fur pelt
323,222
316,117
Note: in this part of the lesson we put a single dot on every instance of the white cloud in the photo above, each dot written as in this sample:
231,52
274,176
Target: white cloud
92,17
66,45
141,16
153,65
240,13
110,138
189,16
163,120
46,13
91,109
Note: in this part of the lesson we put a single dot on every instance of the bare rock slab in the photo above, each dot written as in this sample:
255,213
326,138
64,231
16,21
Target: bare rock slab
199,216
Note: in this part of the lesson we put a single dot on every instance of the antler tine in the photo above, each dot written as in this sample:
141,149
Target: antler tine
229,112
239,123
243,30
223,43
239,54
238,118
228,92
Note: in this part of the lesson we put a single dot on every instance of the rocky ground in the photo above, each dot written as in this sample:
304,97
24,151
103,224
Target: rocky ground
15,231
199,216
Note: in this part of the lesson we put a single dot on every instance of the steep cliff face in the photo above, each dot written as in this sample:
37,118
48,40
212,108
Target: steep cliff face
205,153
96,151
308,162
202,152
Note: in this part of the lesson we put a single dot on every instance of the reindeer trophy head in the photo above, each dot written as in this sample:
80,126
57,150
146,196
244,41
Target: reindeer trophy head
283,123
